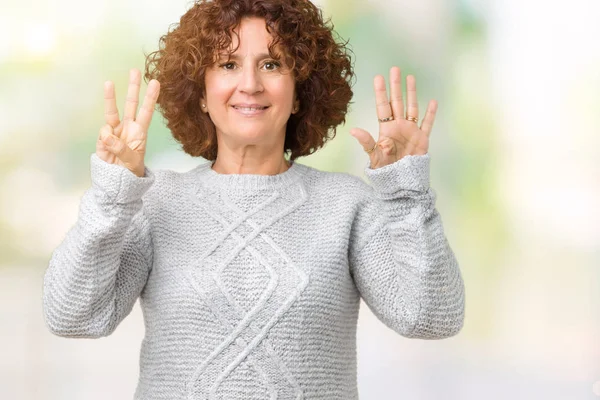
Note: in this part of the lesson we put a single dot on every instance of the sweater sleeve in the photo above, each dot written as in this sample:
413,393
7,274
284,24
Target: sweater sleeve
98,271
399,256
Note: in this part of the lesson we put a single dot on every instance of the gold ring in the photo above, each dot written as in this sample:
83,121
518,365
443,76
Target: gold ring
413,119
370,151
390,118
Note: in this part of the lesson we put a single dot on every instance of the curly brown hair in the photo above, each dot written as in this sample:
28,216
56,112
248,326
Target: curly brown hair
321,66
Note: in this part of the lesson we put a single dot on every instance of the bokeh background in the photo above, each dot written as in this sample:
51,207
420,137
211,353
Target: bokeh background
515,165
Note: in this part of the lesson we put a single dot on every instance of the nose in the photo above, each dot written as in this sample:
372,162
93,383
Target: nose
250,81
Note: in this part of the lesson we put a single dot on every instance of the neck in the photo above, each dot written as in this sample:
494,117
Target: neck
250,159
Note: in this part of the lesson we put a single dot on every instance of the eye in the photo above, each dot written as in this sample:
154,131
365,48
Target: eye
227,66
272,65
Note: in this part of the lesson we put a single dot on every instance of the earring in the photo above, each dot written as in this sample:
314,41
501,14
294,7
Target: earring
203,105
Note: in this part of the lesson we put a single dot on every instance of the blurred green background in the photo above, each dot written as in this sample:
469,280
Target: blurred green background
515,165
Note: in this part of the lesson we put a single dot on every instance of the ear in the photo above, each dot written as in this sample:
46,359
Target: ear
203,105
296,106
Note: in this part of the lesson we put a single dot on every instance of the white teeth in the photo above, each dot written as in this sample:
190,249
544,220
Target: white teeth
249,108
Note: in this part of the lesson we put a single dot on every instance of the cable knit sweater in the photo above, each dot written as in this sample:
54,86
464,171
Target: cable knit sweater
250,285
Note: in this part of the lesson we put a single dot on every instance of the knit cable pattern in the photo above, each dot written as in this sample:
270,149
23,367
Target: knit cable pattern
250,285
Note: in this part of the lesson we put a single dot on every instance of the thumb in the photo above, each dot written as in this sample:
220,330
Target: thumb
124,153
364,138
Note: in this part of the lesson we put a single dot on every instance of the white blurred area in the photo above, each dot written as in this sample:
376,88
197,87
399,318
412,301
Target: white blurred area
539,335
546,77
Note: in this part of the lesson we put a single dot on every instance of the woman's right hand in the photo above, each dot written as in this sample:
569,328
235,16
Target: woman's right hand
123,142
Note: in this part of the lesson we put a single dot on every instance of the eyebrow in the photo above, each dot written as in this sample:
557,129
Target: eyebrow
237,57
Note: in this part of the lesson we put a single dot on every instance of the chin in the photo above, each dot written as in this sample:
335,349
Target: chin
253,135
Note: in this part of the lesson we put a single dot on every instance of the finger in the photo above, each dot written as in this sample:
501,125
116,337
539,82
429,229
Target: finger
133,92
429,118
100,146
117,147
396,92
105,131
388,149
381,98
111,113
144,116
412,107
364,138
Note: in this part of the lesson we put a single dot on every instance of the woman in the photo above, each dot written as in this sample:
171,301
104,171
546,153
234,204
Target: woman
250,268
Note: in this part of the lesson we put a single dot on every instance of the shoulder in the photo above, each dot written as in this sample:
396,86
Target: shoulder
345,191
340,184
169,186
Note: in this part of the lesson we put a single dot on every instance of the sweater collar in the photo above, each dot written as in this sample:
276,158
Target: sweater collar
249,182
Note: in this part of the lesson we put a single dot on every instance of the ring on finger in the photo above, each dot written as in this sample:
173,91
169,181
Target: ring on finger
372,148
413,119
386,119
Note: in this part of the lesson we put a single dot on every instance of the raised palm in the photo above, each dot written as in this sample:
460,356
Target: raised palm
128,136
399,133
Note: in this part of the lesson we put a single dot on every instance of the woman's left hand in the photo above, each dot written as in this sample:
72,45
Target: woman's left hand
399,136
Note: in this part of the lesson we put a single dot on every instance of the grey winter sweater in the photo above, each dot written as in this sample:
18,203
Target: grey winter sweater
250,284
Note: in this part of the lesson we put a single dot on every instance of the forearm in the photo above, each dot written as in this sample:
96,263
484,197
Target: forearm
424,257
408,272
80,284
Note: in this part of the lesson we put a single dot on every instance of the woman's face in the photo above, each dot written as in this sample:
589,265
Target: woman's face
250,98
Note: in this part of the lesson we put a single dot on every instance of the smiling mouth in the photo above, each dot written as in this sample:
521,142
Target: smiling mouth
249,108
